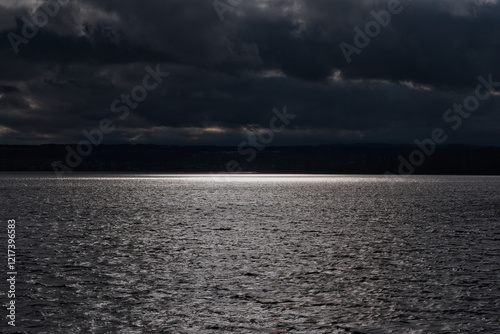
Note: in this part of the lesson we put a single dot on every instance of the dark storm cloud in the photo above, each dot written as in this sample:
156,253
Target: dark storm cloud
225,76
8,89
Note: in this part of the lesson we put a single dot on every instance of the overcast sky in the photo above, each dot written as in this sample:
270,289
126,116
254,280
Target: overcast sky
226,76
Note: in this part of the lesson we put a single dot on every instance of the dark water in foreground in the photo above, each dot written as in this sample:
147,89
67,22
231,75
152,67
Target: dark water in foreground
254,254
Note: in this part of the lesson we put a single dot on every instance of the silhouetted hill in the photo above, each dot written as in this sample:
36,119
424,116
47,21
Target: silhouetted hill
337,159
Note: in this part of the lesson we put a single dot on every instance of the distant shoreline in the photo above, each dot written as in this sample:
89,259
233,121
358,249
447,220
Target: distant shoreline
342,159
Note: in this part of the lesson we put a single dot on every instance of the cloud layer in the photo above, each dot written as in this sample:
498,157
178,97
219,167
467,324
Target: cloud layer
226,77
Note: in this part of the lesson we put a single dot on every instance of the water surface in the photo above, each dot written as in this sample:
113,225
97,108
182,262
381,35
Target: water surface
255,253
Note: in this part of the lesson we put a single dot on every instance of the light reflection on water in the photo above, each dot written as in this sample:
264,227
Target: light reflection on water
256,253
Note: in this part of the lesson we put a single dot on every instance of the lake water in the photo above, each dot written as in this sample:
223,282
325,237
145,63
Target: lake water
254,254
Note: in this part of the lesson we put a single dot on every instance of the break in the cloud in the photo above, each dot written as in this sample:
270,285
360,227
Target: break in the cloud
226,77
